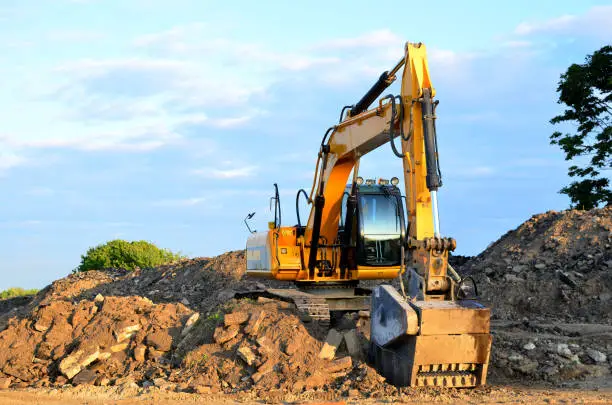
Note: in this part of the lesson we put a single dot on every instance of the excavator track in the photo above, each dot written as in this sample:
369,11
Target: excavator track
314,306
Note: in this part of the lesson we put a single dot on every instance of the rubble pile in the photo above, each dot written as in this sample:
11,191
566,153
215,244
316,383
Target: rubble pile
556,265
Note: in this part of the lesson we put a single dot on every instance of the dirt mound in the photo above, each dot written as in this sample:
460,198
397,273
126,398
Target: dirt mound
556,265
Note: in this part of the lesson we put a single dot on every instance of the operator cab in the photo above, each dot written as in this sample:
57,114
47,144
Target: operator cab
378,224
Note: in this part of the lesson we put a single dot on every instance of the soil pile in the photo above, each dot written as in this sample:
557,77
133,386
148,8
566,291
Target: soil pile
556,265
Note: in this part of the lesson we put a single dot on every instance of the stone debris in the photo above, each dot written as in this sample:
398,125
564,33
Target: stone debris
235,318
332,342
353,345
597,356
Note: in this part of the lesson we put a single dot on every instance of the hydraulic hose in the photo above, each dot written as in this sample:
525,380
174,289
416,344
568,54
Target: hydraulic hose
297,204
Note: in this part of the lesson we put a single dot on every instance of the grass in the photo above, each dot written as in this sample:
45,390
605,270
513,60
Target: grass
16,292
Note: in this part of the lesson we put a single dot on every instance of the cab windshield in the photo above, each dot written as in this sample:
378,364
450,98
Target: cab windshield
381,229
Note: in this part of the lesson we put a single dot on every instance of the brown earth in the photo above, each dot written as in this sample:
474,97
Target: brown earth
175,330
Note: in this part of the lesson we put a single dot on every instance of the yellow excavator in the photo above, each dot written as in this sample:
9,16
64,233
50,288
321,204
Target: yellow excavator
431,332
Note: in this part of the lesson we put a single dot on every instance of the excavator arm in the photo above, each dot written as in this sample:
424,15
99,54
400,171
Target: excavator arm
409,117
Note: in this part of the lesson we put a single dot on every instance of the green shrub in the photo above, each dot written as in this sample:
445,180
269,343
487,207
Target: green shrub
16,292
125,255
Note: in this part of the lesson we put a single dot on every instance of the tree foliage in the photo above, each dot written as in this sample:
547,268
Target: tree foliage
125,255
586,90
16,292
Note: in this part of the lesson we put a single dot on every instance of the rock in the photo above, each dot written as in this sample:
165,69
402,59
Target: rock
202,389
99,298
511,278
352,342
42,325
563,350
235,318
529,346
246,354
328,351
126,332
227,295
264,369
189,324
72,364
5,383
353,393
85,377
316,380
104,356
540,266
119,347
339,364
364,314
254,323
597,356
185,302
160,382
154,355
139,353
526,366
160,340
291,348
515,357
147,384
223,335
519,268
566,278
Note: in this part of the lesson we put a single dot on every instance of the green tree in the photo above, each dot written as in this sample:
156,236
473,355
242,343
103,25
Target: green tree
586,90
125,255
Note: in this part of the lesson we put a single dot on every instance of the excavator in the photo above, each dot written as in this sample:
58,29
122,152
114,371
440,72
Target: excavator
432,332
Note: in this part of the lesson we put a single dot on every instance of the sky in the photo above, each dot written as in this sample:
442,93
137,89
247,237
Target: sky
170,121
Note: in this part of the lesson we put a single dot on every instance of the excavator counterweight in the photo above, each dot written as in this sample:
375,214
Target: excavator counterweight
433,333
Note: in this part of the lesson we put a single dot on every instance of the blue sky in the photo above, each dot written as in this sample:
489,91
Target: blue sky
170,121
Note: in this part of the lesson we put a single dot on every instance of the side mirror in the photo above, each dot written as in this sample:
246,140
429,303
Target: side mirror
251,215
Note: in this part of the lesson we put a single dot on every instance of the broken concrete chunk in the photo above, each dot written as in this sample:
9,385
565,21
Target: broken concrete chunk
223,335
597,356
160,340
99,298
328,351
153,354
139,353
72,364
189,324
119,347
235,318
246,354
254,323
126,332
5,383
352,342
85,377
264,369
339,365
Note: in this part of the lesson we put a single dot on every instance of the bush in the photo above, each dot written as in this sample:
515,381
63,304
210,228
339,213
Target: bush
16,292
125,255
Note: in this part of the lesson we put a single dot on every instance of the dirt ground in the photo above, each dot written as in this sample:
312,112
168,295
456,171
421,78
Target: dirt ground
488,395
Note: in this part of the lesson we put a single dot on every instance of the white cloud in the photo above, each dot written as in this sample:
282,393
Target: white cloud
227,173
181,202
594,22
374,39
9,160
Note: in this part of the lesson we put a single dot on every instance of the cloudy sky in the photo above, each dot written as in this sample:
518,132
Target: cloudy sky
170,121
